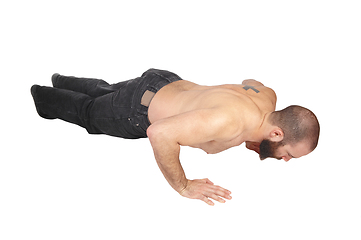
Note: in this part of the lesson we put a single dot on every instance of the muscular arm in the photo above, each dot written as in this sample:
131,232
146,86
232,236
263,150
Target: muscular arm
187,129
166,153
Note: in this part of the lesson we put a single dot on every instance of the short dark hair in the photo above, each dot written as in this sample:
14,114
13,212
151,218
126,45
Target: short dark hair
297,123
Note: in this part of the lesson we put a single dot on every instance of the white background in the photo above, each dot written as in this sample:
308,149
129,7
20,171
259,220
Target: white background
58,182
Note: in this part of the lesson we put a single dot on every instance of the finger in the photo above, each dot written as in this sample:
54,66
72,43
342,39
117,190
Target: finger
217,198
207,200
222,192
219,188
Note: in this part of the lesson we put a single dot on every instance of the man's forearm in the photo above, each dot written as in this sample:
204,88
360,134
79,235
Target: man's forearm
166,149
167,157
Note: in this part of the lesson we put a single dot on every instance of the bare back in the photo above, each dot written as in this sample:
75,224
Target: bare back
183,96
249,103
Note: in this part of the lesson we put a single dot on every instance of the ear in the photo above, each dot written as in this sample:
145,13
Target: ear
276,135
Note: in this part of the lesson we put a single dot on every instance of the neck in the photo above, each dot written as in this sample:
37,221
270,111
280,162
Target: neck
261,133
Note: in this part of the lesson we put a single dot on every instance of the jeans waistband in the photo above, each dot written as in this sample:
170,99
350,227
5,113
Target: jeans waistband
152,81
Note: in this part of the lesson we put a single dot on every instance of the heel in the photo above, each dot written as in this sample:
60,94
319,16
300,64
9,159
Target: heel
54,79
34,90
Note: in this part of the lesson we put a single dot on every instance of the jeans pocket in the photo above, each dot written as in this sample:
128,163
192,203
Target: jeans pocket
123,98
138,128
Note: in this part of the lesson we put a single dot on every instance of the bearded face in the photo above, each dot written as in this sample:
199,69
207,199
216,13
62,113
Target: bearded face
268,149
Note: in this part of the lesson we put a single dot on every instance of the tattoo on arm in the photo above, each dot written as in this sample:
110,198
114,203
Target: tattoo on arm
250,87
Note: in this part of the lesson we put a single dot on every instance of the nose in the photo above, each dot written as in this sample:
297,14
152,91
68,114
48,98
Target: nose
286,158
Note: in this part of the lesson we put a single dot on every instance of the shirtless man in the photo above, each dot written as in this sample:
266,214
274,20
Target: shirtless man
173,112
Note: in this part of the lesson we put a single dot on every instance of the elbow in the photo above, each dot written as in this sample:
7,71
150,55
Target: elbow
163,146
155,133
158,136
150,131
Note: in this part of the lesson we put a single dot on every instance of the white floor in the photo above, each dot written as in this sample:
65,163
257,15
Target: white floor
58,182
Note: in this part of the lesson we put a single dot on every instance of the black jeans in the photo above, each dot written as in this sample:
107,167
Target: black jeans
99,107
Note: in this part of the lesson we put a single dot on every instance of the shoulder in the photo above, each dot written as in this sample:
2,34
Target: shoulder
226,122
252,82
271,94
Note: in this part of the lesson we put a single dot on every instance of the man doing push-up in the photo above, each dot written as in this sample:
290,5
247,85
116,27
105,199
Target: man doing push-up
173,112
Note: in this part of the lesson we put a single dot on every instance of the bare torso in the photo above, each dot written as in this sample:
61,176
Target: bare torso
250,103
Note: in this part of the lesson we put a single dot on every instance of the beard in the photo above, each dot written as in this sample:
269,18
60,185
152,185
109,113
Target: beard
268,149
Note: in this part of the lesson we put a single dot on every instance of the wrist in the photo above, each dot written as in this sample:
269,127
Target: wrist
184,187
